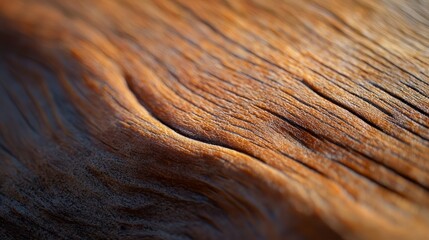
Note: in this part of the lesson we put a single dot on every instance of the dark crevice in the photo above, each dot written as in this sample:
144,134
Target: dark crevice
353,151
416,89
349,109
372,104
416,108
354,94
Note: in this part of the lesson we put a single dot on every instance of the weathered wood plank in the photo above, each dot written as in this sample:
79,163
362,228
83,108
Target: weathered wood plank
217,119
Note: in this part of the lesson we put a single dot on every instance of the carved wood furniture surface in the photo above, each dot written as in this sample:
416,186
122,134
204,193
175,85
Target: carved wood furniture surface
220,119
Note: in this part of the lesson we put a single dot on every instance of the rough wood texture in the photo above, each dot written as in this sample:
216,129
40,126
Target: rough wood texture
214,119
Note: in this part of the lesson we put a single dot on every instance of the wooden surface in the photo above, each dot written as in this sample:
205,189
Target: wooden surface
214,119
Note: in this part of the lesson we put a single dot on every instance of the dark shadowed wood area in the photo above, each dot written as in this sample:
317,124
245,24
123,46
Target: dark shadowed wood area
217,119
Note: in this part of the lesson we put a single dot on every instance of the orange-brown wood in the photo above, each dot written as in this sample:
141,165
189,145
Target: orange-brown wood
224,119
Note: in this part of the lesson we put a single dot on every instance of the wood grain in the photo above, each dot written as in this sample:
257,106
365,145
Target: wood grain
223,119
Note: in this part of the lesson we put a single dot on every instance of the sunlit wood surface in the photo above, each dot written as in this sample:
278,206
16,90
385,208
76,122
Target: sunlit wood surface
220,119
